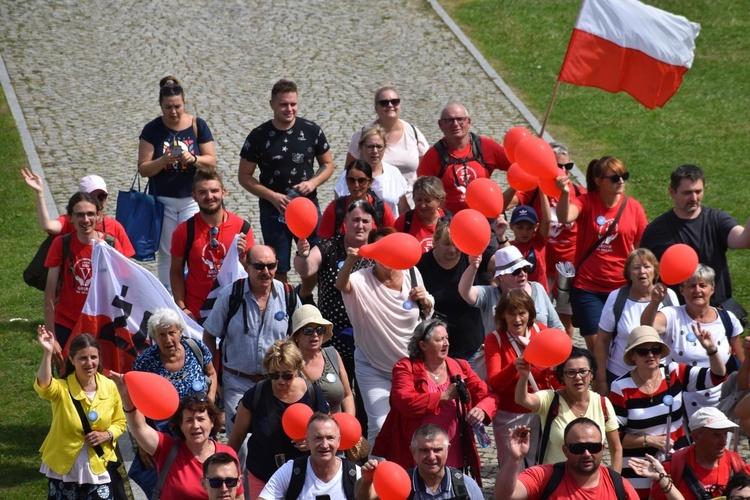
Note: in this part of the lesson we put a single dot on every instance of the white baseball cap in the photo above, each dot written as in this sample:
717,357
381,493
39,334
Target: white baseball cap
92,183
710,418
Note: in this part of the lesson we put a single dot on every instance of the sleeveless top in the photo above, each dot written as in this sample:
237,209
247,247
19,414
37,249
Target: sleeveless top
329,381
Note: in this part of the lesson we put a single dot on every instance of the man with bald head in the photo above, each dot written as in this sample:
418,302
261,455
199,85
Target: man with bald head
460,156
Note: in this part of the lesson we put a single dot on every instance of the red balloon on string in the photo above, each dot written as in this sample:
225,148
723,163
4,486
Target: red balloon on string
351,430
536,157
399,251
470,231
548,348
678,263
519,180
294,420
301,217
486,197
391,481
152,394
511,140
549,187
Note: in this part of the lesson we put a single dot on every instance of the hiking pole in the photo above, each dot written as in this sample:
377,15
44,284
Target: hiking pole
667,454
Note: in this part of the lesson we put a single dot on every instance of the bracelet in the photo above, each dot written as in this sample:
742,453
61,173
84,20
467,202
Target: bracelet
184,308
662,475
503,242
195,160
713,352
667,488
111,437
129,411
302,256
645,442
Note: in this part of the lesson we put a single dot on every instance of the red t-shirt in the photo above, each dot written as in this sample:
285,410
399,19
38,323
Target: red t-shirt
75,284
326,228
561,243
422,232
183,481
457,177
109,226
204,262
602,271
535,252
535,479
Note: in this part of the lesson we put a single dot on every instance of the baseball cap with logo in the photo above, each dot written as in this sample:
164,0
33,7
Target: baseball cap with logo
524,213
710,418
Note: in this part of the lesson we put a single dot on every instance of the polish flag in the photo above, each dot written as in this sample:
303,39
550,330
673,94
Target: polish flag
625,45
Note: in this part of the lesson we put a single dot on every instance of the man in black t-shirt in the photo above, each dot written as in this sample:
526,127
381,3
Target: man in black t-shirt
284,148
711,232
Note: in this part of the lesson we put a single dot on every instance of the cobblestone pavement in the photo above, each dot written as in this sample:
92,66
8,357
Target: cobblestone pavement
86,75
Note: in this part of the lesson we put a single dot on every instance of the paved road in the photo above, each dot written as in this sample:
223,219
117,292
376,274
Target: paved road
86,75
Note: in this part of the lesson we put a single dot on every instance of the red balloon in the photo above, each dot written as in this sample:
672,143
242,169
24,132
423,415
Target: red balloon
294,420
548,348
678,263
536,157
152,394
301,217
549,187
485,196
511,140
351,430
391,481
520,180
470,231
398,251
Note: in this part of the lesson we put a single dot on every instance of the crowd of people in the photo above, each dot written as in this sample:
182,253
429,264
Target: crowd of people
425,357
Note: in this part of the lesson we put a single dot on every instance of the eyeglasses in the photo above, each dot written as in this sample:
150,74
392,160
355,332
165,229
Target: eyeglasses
566,166
318,329
170,90
102,197
83,215
214,232
385,102
582,373
216,482
614,178
737,497
579,448
654,349
458,119
259,266
277,375
525,269
375,147
358,180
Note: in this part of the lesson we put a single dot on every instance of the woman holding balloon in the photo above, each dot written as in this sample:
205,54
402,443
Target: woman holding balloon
384,305
610,227
75,461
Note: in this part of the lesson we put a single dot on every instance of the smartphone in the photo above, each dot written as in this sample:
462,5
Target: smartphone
176,151
323,497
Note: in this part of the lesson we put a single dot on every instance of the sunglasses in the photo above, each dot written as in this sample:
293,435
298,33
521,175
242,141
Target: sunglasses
614,178
579,448
385,102
216,482
566,166
259,266
360,181
102,197
573,373
320,330
458,119
277,375
526,269
644,351
214,232
171,90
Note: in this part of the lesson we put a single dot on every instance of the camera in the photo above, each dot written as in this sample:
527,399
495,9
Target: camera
463,391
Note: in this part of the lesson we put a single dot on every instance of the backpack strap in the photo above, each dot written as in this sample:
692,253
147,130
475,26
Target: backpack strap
603,402
558,471
188,240
726,321
379,205
339,209
297,481
413,277
458,484
617,483
197,352
245,227
414,130
236,300
618,307
554,409
349,477
333,355
677,464
256,397
65,259
408,216
533,198
165,470
290,298
446,160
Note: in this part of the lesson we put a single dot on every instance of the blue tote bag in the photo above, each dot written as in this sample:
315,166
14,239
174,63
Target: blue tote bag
141,215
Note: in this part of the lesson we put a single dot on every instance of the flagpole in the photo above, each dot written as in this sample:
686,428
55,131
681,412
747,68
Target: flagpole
549,109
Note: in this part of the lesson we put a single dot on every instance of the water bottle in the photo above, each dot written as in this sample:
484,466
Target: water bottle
483,440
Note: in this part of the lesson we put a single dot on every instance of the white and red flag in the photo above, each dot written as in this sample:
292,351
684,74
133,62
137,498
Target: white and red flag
626,45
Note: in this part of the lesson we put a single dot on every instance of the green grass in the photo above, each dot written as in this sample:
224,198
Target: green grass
24,418
705,123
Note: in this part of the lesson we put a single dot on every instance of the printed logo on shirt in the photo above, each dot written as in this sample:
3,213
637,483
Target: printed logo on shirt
212,258
82,274
426,244
556,228
606,246
298,157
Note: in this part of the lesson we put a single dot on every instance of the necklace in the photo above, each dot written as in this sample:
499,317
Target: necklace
437,376
571,405
648,384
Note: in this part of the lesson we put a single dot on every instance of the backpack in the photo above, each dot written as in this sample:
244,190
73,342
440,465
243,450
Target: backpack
458,485
191,236
409,216
558,471
681,471
733,363
297,481
446,160
622,298
554,410
339,208
236,300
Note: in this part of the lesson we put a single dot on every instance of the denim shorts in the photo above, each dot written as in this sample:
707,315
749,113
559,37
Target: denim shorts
587,309
276,234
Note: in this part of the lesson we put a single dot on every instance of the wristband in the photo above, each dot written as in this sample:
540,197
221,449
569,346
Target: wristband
503,242
195,160
713,352
645,443
302,256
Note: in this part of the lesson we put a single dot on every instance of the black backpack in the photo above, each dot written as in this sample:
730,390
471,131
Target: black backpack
236,300
297,481
339,208
409,216
446,160
458,485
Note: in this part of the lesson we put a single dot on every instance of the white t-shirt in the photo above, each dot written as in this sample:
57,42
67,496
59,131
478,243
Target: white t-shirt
390,186
685,349
629,319
277,486
404,155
